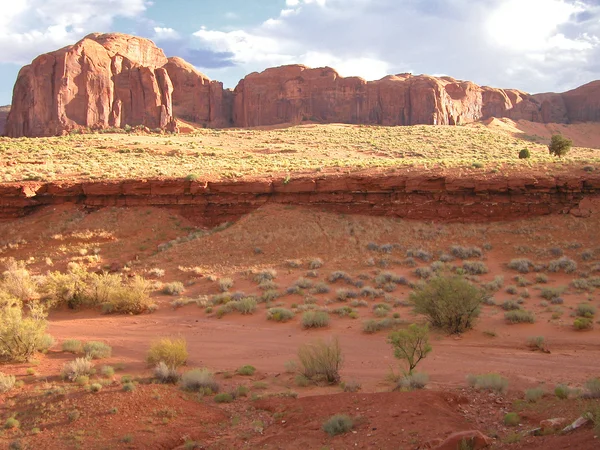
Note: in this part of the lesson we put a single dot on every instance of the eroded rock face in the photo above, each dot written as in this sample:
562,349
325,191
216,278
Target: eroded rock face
105,80
3,114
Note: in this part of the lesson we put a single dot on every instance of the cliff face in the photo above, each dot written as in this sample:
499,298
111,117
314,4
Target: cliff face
3,115
113,80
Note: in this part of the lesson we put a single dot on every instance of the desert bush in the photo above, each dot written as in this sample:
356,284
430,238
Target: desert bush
385,278
224,397
423,272
315,319
592,388
559,145
564,263
321,288
351,386
7,382
338,424
128,386
475,267
173,352
339,275
280,314
461,252
562,391
449,303
17,281
265,275
321,361
165,374
246,370
534,394
419,253
511,290
225,284
580,284
199,380
373,326
550,293
80,367
11,423
538,343
524,154
344,294
132,297
107,371
587,255
583,323
510,305
489,382
244,306
97,350
95,387
511,419
174,288
519,316
521,265
585,310
72,346
495,284
22,333
413,381
370,292
411,345
381,310
294,263
315,263
541,278
156,272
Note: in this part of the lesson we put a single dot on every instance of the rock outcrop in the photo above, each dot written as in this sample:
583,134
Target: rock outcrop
105,80
113,80
3,114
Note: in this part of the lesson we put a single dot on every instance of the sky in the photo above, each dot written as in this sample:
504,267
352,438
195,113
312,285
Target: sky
533,45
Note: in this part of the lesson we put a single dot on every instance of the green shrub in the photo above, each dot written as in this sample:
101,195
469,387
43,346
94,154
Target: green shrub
541,278
174,288
583,323
199,380
534,394
511,290
11,423
524,154
489,382
519,316
592,387
246,370
225,284
165,374
77,368
538,343
315,319
449,303
21,334
461,252
559,145
224,397
562,391
72,346
413,381
338,424
411,345
279,314
564,263
173,352
95,387
521,265
245,306
17,282
585,310
373,326
7,382
107,371
510,305
97,350
265,275
511,419
321,361
475,267
550,293
128,387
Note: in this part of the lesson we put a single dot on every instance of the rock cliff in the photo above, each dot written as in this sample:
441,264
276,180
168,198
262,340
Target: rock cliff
3,114
113,80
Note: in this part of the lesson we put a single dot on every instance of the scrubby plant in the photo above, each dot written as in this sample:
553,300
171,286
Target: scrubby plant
495,285
592,388
511,419
419,253
7,382
534,394
583,323
174,288
381,309
245,306
564,263
95,387
519,316
585,310
449,303
173,352
22,328
510,305
246,370
16,281
321,288
265,275
351,386
315,319
97,350
521,265
373,326
339,275
562,391
224,397
413,381
488,382
165,374
199,380
541,278
461,252
128,386
524,154
77,368
550,293
225,284
338,424
559,145
315,263
411,345
72,346
280,314
511,290
475,267
423,272
321,361
538,343
293,263
107,371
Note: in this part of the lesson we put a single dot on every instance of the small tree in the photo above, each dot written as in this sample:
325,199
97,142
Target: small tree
449,302
411,345
524,154
559,145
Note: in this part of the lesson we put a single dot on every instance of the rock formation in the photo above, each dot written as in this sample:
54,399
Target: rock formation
3,114
113,80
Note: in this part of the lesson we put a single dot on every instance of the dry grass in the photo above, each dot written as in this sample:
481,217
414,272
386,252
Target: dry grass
213,154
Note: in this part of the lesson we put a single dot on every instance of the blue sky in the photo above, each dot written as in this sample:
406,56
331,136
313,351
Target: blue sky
533,45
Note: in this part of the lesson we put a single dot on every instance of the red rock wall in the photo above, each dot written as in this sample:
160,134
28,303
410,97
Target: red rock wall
424,197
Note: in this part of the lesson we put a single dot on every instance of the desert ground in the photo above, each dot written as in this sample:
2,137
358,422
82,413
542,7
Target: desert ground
319,261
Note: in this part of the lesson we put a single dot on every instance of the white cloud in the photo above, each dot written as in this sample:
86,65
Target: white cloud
164,34
30,27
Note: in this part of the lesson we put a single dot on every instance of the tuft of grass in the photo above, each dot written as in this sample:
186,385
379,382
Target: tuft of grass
174,288
412,381
564,263
562,391
225,284
199,380
321,361
489,382
173,352
315,319
534,394
475,268
246,370
280,314
338,424
585,310
97,350
7,383
511,419
77,368
521,265
519,316
165,374
583,323
538,343
315,263
224,397
72,346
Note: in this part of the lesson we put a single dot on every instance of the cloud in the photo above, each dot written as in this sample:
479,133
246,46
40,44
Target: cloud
30,27
534,45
